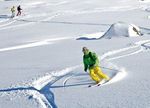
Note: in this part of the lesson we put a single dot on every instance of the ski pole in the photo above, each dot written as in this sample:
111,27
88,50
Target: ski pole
109,68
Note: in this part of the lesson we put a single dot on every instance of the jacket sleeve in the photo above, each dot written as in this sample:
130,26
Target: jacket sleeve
94,56
85,65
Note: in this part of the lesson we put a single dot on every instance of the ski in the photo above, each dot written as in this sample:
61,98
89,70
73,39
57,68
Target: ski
99,84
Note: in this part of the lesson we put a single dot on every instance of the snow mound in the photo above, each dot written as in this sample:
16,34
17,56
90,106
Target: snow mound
120,29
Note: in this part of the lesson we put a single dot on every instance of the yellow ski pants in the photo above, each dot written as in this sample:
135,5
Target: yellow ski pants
97,75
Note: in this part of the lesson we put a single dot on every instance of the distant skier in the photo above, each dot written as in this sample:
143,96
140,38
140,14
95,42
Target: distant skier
13,12
91,63
19,10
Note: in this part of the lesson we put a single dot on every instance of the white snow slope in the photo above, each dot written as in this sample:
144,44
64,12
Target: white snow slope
41,54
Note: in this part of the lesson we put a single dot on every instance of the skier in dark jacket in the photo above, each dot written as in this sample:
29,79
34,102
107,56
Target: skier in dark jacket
19,10
91,63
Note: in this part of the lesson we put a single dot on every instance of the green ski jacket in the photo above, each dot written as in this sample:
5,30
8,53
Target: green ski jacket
90,60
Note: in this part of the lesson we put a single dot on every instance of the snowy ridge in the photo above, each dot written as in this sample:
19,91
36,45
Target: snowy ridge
34,44
15,26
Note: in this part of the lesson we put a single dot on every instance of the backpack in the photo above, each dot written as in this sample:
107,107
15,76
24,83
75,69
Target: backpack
90,55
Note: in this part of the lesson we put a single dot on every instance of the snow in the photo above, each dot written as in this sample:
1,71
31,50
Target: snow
41,53
122,29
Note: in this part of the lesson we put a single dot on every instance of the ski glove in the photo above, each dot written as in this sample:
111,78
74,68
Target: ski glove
85,70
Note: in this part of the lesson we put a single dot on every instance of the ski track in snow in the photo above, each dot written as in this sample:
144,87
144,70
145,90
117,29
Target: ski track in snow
141,45
121,73
26,22
40,89
7,22
56,14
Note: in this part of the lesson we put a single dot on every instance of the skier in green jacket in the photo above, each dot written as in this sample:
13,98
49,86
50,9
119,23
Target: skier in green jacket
91,63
